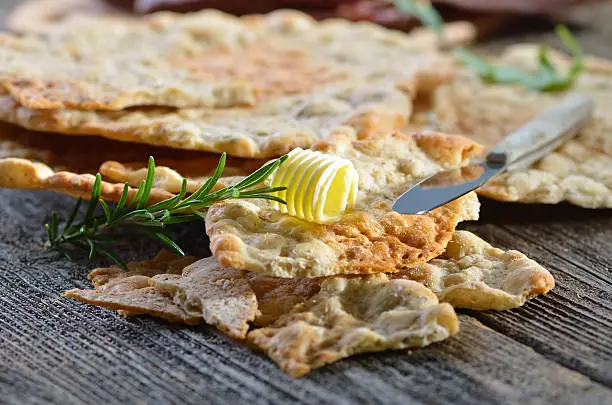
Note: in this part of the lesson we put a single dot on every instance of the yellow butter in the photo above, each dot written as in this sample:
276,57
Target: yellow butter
319,186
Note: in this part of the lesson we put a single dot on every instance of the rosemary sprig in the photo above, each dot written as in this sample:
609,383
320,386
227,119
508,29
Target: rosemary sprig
544,78
96,232
424,12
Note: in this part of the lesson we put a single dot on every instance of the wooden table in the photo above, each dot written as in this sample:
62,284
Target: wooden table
556,349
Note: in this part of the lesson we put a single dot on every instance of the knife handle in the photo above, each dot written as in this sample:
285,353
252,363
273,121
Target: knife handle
544,133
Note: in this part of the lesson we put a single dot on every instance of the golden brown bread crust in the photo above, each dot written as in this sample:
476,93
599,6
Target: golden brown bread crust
310,322
25,174
277,296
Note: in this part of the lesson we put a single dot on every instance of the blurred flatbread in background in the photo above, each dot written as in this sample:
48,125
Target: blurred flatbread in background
290,80
40,16
579,172
272,129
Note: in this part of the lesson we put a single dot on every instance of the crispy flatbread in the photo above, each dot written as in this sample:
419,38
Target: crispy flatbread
309,79
276,296
579,172
178,289
475,275
271,129
469,274
204,59
67,164
220,295
130,293
355,315
370,238
43,16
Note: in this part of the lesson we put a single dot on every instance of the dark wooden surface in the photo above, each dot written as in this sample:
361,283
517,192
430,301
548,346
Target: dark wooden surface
556,349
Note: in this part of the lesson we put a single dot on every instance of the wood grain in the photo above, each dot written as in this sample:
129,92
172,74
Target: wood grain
556,349
73,353
573,324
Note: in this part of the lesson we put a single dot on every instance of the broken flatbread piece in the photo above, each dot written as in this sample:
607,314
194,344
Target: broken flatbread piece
178,289
220,295
270,129
370,238
66,164
579,172
130,292
473,274
355,315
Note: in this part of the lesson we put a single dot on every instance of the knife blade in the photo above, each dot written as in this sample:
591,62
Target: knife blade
518,150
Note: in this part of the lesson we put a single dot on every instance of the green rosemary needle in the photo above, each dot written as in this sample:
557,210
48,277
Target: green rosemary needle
544,78
96,233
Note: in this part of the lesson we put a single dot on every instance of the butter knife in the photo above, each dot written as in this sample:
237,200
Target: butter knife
518,150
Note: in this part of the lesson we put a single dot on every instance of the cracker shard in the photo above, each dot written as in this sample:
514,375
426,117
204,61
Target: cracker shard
130,292
355,315
219,295
475,275
252,235
178,289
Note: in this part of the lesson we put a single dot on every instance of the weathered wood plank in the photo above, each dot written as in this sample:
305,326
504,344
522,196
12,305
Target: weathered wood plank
573,323
59,349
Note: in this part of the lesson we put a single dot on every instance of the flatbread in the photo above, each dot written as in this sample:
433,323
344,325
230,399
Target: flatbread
111,64
130,293
579,172
277,296
370,238
271,129
175,288
472,274
310,322
203,59
220,295
355,315
42,161
43,16
310,80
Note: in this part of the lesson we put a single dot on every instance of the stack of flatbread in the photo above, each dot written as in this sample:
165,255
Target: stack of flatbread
102,94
